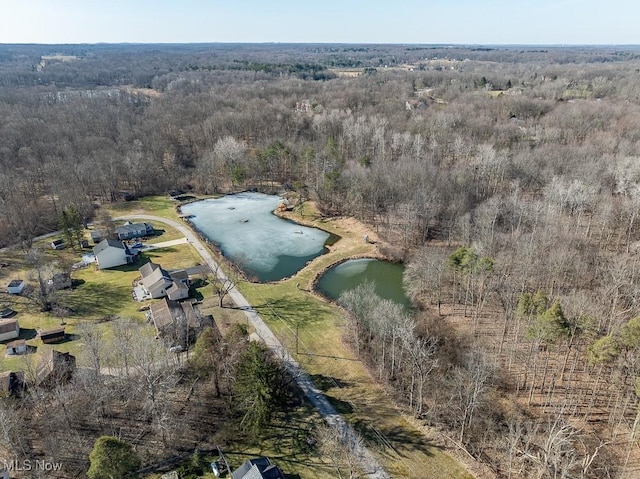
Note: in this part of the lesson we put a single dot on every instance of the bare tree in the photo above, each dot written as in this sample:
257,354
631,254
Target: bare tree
340,446
423,275
223,282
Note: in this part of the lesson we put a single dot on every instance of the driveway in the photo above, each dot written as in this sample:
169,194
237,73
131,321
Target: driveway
368,462
164,244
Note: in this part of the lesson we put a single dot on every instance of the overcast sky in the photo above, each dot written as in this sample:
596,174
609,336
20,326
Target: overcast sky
325,21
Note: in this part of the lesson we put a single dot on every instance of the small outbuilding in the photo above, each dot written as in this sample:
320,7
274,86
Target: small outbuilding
19,346
178,323
57,244
9,329
51,336
15,286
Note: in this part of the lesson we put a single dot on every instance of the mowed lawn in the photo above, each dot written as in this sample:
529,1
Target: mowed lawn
97,296
309,324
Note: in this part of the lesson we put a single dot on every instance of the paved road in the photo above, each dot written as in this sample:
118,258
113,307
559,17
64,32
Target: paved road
369,463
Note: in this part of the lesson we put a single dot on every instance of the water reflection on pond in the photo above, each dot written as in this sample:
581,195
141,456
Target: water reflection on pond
247,232
387,277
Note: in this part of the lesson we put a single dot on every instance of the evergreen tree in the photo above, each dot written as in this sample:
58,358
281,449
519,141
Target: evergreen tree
113,458
258,388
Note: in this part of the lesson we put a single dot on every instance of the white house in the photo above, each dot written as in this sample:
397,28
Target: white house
157,283
9,329
15,286
110,253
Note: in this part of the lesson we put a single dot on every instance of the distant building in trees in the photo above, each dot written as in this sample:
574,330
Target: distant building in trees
54,368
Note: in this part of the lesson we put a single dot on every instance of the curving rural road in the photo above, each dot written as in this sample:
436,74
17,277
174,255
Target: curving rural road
368,462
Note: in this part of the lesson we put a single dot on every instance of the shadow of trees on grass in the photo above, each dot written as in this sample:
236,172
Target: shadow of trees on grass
292,310
99,299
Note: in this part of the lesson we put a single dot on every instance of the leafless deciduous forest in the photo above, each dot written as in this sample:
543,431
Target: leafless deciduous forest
508,180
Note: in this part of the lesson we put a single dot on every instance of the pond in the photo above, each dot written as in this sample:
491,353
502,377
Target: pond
387,277
260,243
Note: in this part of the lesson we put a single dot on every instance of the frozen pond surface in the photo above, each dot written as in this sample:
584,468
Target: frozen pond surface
247,232
387,277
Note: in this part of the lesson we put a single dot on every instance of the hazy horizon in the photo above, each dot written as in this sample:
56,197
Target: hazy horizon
435,22
440,45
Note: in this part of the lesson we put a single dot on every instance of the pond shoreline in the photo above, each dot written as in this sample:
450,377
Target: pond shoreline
287,258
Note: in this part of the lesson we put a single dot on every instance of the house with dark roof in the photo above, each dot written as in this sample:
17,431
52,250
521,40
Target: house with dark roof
156,283
133,230
9,329
55,367
178,323
258,468
110,253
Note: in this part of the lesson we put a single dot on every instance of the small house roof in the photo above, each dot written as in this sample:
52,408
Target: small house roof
258,468
16,344
148,268
15,283
179,275
154,278
163,312
177,287
51,332
107,243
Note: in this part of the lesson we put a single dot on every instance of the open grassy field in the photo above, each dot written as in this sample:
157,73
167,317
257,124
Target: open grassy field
151,205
